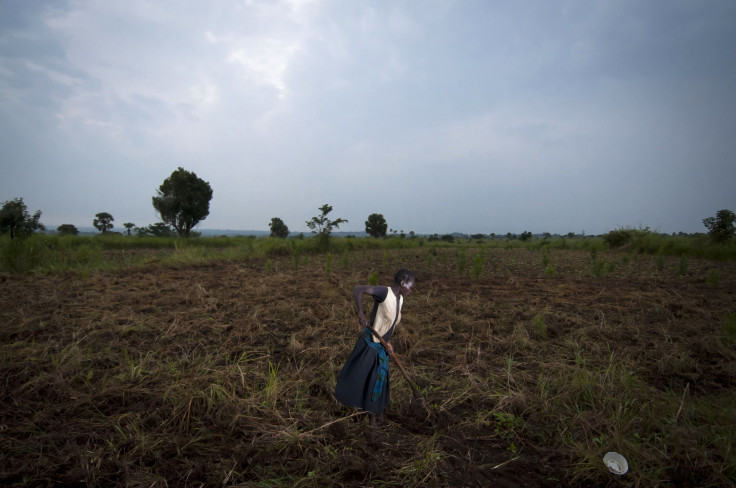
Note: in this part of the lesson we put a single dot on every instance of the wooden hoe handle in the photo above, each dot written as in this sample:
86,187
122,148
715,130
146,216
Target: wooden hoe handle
395,357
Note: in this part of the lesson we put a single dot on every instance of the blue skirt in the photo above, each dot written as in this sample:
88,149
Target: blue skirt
356,384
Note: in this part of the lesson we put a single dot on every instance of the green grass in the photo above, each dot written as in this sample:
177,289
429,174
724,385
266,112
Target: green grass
43,253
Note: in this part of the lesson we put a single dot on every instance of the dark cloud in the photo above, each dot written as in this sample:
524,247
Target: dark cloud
468,116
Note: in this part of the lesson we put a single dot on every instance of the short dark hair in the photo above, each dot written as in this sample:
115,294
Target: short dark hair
404,275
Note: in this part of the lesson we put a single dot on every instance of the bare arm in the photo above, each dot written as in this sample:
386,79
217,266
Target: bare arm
358,293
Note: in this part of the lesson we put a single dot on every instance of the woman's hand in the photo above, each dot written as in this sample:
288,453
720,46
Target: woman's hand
390,348
363,321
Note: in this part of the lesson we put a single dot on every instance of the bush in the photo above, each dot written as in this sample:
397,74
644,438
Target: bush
23,255
617,238
67,229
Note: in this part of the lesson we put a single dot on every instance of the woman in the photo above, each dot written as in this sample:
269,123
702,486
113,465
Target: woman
363,381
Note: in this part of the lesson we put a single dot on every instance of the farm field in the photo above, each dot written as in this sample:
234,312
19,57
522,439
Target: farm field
533,365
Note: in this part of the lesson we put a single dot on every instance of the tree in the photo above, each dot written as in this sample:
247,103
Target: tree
376,225
322,226
525,236
103,222
129,226
183,201
278,228
721,227
14,218
67,229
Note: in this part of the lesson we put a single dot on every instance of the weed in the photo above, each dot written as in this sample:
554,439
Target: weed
272,389
539,326
425,464
659,262
682,266
328,263
601,267
549,270
373,279
478,265
509,365
149,372
728,326
713,278
461,261
508,425
345,259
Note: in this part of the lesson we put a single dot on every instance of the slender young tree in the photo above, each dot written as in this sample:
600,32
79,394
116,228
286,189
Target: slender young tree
322,226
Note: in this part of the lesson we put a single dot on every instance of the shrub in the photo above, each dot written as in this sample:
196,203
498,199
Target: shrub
23,255
617,238
275,246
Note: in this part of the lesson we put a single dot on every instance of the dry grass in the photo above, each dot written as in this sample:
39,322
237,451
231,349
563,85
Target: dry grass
222,374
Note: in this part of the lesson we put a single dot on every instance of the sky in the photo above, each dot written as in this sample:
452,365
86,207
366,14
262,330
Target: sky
472,116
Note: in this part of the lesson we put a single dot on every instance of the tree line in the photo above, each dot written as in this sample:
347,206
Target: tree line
182,201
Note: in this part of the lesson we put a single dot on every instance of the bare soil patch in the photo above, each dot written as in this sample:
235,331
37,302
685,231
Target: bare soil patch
223,374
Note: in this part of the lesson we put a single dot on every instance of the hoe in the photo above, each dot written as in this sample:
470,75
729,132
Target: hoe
418,400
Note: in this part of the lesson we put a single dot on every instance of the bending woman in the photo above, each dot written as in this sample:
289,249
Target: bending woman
363,381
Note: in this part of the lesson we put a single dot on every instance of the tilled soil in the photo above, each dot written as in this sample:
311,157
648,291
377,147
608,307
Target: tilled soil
223,374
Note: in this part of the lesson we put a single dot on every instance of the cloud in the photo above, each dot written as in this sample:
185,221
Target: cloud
445,115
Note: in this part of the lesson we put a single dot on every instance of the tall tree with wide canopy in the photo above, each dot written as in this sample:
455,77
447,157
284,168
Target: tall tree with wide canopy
67,229
721,227
376,225
183,201
14,218
103,222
